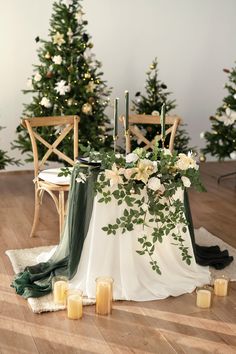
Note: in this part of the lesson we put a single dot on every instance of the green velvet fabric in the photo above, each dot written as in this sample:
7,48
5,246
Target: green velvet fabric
36,281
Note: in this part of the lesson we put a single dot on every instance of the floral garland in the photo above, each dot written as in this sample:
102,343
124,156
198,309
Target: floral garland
146,183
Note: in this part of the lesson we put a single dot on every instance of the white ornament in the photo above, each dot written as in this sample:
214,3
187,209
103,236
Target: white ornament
233,155
45,102
155,113
62,88
37,77
235,96
57,59
202,135
58,39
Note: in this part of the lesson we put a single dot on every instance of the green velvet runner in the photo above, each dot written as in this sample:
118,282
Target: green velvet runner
36,281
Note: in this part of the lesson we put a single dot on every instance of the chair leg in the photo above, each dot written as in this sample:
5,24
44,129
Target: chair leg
36,211
61,211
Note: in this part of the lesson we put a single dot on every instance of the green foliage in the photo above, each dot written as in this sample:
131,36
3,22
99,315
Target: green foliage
147,185
151,103
67,81
221,140
5,159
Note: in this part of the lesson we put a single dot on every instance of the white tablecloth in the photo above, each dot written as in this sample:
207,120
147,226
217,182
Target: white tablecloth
116,256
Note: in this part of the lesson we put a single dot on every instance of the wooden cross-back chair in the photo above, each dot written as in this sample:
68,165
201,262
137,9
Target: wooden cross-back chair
171,122
47,180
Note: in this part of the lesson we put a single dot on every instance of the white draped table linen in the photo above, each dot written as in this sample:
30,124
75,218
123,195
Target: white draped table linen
115,256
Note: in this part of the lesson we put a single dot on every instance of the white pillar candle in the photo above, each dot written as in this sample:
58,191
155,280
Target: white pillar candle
221,286
203,298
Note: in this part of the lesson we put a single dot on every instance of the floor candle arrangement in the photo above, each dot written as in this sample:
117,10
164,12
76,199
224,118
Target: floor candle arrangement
205,294
73,298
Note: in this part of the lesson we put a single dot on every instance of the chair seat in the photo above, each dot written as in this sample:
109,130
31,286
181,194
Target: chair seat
51,175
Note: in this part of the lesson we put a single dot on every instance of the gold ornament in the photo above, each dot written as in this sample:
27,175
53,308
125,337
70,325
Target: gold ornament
202,157
47,55
87,108
70,102
87,75
91,100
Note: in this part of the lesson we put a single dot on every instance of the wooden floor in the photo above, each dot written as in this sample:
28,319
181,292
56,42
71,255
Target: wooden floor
173,325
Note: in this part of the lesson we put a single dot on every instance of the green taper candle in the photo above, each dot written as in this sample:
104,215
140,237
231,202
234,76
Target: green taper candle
163,121
126,110
115,117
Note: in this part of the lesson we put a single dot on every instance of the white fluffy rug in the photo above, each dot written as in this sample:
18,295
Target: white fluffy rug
24,257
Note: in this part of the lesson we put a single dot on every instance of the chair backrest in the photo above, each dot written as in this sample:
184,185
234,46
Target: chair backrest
69,123
171,123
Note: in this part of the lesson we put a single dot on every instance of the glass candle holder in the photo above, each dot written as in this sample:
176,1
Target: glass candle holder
221,286
204,297
60,287
104,295
74,304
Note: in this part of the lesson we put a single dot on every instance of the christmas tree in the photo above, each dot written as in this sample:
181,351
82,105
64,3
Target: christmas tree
5,159
151,103
68,81
221,140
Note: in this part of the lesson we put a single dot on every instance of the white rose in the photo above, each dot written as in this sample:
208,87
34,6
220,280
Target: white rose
131,157
154,183
57,59
37,77
186,181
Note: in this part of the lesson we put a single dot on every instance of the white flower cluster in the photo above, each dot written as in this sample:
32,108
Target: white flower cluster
228,118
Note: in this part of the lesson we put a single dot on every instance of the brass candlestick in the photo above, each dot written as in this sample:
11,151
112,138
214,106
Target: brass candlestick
127,142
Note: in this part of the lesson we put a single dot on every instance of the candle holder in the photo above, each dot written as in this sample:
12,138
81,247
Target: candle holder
60,288
221,286
127,141
163,142
204,297
104,294
74,304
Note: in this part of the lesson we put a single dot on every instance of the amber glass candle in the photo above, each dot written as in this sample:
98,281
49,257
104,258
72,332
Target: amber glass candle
60,287
203,298
221,286
74,304
104,290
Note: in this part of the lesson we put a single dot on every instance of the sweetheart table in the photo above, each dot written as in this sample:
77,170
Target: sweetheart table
86,252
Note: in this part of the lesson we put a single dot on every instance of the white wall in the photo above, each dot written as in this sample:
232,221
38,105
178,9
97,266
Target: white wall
193,40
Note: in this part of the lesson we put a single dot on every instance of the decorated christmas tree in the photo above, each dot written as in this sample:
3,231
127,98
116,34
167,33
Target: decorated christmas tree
5,159
221,140
67,81
151,102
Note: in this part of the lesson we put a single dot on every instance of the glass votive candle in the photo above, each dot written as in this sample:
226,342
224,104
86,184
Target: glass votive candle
60,287
204,297
104,294
221,286
74,304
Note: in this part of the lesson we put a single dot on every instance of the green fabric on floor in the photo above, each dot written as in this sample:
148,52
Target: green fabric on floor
36,281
